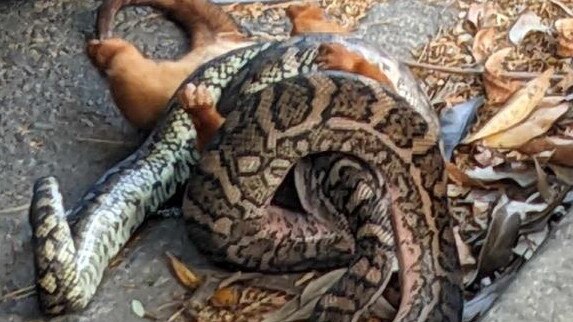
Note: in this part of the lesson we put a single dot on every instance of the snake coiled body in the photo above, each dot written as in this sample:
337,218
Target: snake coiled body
364,161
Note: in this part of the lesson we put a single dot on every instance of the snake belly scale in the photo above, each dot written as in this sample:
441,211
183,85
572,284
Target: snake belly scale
364,161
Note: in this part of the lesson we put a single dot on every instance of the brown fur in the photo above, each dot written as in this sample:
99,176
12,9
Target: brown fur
310,18
198,102
201,20
338,57
141,87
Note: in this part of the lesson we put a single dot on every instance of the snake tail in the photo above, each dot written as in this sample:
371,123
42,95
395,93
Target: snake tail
73,248
201,19
55,251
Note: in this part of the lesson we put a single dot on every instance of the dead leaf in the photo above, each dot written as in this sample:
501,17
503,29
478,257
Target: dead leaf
537,124
241,303
238,277
551,101
542,184
564,29
382,309
225,297
567,82
564,174
527,22
562,6
460,177
301,307
457,191
537,220
487,157
320,285
528,244
484,42
487,196
518,108
482,15
497,87
562,149
305,278
525,208
137,308
475,14
455,123
464,251
501,238
183,274
489,174
483,300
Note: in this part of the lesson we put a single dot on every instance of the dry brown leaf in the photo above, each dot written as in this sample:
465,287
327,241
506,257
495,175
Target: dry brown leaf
526,208
241,303
484,42
551,101
562,149
488,157
382,309
564,174
225,297
183,273
238,277
498,88
529,243
527,22
305,278
567,81
542,184
523,178
464,251
475,14
461,178
518,108
482,15
565,37
537,124
301,307
563,6
501,237
457,191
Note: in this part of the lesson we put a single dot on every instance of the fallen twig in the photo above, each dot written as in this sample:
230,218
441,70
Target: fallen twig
176,315
475,71
268,4
96,140
563,7
167,305
19,293
14,209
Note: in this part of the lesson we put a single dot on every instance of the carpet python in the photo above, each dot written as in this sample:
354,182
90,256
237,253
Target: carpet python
312,169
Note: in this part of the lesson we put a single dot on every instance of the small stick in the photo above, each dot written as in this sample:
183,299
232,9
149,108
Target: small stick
19,292
14,209
96,140
563,7
167,305
176,314
475,71
24,295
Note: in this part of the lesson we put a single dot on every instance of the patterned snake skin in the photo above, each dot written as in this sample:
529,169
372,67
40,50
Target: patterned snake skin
364,162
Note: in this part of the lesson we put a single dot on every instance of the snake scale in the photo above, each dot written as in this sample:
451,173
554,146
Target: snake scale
362,162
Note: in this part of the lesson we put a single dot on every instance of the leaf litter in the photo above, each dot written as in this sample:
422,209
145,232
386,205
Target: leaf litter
502,74
510,175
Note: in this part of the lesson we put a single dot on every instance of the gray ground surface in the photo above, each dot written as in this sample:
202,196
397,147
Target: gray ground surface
54,107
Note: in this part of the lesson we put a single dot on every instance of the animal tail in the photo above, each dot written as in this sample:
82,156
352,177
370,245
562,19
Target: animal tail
201,19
